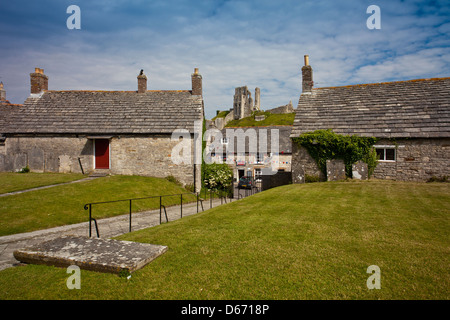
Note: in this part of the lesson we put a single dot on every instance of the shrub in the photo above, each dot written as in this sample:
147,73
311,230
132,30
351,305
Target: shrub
25,170
325,145
217,176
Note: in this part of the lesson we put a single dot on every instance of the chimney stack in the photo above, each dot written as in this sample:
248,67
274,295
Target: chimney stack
307,76
39,81
142,82
196,83
2,92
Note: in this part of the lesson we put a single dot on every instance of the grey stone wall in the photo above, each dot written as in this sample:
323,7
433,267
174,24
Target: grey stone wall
416,160
149,156
129,155
47,154
283,109
303,164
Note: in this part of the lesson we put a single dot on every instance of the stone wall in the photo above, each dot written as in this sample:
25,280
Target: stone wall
47,154
149,156
282,109
416,160
129,155
303,164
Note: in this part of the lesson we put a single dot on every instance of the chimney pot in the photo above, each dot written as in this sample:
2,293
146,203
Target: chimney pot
307,76
39,81
2,92
142,82
196,83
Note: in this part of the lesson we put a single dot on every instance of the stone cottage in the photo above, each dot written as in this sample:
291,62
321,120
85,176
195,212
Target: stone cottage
411,119
253,151
113,132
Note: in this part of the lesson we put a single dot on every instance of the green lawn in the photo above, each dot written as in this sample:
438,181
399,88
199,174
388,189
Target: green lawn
310,241
21,181
61,205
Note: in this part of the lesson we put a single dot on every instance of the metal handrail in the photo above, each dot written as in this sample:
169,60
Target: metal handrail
88,206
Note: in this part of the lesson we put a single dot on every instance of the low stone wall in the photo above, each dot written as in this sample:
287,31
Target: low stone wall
416,160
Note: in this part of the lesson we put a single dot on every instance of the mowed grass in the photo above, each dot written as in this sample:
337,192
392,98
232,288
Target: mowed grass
10,182
62,205
310,241
285,119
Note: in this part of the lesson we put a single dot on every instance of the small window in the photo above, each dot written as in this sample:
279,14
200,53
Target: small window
224,140
386,154
259,158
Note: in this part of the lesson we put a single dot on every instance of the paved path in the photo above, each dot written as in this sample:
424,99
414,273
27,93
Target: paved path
108,227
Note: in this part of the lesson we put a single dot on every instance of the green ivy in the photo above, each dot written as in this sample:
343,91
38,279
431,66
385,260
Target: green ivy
325,145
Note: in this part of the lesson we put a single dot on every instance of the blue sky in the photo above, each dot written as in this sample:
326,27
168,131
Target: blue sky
257,43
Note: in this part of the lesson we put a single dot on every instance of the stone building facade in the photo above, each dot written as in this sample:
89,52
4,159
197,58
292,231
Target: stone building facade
247,156
113,132
410,119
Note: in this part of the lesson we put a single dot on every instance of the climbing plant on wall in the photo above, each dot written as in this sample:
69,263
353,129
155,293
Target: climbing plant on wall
325,145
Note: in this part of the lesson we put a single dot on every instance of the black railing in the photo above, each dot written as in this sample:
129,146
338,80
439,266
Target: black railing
89,206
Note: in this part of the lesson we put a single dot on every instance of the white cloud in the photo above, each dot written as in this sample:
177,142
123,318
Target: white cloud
254,43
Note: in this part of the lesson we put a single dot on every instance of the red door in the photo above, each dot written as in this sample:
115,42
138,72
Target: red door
101,154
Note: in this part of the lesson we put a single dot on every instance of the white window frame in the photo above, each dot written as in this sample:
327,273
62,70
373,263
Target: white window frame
384,148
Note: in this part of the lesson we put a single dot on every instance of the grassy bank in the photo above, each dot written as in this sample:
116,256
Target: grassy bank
286,119
61,205
311,241
11,182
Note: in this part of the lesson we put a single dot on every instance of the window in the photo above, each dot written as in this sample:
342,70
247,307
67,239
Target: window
259,158
386,153
258,172
224,140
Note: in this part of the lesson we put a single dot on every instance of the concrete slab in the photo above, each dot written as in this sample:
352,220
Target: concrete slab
95,254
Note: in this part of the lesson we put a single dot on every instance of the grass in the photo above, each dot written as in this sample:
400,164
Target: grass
310,241
221,114
286,119
11,182
62,205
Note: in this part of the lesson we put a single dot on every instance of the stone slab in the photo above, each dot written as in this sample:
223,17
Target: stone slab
360,171
95,254
335,170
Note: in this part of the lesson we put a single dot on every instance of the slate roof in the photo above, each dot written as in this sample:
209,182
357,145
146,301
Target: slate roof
402,109
104,112
284,140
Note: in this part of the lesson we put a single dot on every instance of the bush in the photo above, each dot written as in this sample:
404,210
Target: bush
217,176
325,145
25,170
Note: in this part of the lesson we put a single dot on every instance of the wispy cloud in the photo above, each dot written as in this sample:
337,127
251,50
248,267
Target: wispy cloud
234,43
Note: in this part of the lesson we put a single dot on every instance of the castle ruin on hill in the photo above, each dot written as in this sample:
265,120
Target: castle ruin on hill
244,106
